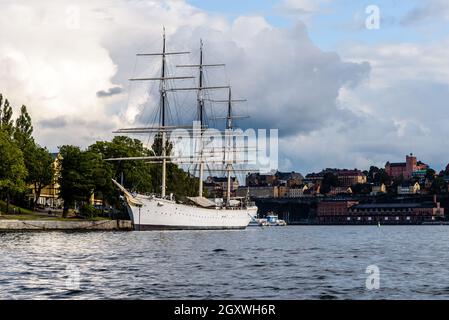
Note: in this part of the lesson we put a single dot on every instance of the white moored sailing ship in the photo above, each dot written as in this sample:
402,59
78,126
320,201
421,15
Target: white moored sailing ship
149,212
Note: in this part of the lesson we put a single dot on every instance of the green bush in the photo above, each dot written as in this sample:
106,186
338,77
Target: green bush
88,211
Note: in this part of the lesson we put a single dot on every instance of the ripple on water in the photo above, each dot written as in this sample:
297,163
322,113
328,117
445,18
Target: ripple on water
295,262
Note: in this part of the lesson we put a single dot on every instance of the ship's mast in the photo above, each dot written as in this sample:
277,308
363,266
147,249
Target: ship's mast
163,98
201,120
163,106
163,124
200,101
229,141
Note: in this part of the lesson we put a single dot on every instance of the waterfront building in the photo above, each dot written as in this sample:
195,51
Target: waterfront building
397,212
346,177
290,179
409,188
314,178
378,189
278,178
333,210
405,169
349,178
258,192
351,212
283,191
298,191
216,186
259,180
340,190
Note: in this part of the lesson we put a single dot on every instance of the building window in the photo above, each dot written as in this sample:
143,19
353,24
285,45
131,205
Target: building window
386,218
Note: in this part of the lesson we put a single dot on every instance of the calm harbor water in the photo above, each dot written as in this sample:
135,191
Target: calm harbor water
294,262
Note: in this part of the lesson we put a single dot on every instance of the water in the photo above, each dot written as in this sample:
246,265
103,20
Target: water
295,262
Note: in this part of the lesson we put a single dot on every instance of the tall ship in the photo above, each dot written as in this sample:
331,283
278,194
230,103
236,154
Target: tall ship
162,211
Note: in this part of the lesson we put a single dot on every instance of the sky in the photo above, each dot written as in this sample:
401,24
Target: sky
343,90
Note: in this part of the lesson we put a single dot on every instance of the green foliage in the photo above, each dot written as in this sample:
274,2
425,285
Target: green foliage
24,129
12,167
6,123
88,211
136,174
378,176
39,163
438,186
74,177
430,174
361,188
329,180
179,182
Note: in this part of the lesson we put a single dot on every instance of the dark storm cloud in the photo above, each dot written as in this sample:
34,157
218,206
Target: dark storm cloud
54,123
110,92
289,83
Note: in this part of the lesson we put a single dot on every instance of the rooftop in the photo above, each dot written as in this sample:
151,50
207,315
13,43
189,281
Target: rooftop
397,164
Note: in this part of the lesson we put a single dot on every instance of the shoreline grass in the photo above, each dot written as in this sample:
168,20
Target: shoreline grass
27,214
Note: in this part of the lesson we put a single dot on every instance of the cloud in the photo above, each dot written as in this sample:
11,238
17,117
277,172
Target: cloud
303,7
81,54
110,92
53,123
403,106
429,11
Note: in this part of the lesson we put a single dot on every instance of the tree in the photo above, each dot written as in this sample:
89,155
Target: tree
438,186
136,173
75,177
329,180
24,129
372,173
39,163
361,188
378,176
393,188
430,174
12,167
101,174
6,123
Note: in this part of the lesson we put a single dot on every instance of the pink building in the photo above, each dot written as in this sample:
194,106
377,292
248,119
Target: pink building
396,169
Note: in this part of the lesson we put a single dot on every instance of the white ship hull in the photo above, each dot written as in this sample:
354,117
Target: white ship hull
162,214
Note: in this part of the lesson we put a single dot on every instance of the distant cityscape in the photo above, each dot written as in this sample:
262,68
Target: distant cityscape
400,178
401,192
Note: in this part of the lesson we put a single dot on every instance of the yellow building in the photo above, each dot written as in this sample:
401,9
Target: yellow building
49,196
378,189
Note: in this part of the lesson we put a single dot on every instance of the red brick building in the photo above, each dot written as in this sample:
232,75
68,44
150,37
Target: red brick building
351,212
328,211
406,169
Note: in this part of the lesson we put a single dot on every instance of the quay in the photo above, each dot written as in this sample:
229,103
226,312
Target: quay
54,225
